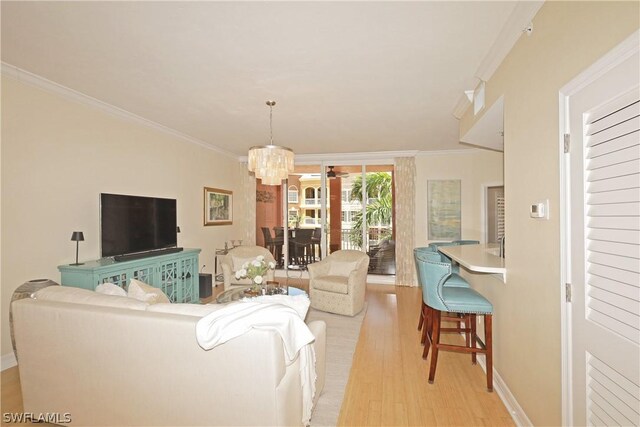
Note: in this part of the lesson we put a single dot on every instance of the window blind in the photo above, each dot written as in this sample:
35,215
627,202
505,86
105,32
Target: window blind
499,217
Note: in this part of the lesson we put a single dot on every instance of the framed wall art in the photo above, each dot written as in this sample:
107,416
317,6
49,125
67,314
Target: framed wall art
444,222
218,206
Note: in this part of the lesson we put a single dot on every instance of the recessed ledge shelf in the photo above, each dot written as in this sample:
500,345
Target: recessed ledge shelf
478,258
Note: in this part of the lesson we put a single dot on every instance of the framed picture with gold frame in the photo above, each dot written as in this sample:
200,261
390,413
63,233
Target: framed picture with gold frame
218,206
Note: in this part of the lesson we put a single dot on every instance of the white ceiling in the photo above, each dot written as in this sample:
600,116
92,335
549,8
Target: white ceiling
347,76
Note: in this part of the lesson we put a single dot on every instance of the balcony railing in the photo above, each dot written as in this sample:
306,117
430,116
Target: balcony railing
376,235
346,242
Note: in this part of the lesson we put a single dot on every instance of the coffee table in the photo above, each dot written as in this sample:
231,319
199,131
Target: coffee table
237,292
295,272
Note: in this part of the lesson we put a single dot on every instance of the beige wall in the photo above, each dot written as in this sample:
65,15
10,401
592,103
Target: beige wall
59,155
567,37
475,168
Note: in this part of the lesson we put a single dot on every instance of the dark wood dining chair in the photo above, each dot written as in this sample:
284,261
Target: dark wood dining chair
273,244
316,247
302,246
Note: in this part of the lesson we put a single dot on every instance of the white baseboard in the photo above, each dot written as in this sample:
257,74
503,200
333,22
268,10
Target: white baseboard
509,400
9,361
380,279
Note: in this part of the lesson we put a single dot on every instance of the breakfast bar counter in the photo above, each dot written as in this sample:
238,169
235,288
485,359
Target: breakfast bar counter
479,258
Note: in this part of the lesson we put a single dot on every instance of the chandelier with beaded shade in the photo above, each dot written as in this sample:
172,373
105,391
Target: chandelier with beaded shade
270,163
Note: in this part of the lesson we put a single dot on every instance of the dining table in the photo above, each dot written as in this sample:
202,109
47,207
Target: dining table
301,244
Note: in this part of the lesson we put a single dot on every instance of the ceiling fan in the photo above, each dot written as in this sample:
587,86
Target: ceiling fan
331,174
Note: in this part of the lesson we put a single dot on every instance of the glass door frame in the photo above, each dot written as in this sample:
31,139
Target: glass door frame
322,165
323,201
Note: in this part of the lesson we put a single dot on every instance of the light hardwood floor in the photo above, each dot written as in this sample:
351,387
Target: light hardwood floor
388,383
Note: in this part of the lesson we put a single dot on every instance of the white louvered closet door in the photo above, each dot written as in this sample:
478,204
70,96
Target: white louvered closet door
605,248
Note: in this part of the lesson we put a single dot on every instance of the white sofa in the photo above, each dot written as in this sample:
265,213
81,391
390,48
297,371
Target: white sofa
111,360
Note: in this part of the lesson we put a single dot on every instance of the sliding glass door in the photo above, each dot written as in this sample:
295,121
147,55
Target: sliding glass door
324,208
369,213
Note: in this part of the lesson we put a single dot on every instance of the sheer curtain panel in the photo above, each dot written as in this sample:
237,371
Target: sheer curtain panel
249,201
405,189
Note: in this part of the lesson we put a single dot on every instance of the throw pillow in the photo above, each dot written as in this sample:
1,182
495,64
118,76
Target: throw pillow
146,293
111,289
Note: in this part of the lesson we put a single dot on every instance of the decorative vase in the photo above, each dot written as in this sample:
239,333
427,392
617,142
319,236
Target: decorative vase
257,288
251,292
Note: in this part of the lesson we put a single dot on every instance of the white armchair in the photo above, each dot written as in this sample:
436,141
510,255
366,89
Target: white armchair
234,259
337,284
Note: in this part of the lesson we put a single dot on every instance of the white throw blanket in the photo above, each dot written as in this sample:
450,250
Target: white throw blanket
299,303
239,318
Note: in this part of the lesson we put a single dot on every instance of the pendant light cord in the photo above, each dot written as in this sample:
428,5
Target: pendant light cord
271,103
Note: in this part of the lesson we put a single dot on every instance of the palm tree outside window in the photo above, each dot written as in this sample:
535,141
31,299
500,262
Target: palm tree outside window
379,208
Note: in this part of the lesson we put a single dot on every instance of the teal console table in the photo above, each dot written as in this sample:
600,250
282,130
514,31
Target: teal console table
176,274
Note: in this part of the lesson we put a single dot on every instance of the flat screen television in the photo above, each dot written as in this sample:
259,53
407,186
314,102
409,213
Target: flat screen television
135,224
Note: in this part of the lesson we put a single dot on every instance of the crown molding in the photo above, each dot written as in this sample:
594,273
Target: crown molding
463,103
373,157
516,25
448,152
73,95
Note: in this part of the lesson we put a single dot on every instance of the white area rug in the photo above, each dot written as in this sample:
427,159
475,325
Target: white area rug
342,337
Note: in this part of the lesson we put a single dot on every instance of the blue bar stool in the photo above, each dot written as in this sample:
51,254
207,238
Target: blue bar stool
455,280
434,255
435,245
454,265
441,298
